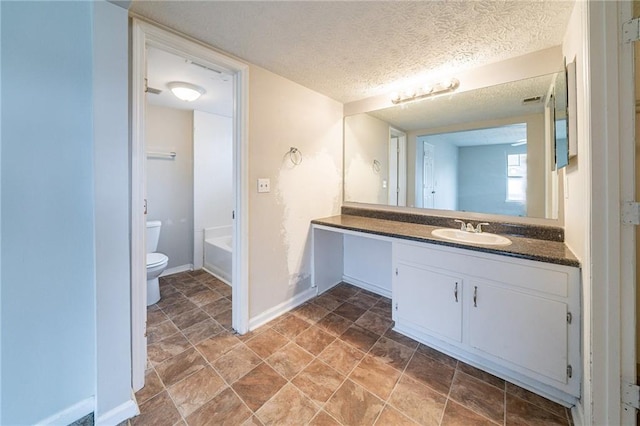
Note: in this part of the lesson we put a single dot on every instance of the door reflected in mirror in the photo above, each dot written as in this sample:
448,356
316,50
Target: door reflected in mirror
490,150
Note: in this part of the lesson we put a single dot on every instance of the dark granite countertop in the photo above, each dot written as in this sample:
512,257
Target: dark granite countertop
523,248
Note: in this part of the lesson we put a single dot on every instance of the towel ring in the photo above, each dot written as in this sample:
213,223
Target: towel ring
294,155
376,166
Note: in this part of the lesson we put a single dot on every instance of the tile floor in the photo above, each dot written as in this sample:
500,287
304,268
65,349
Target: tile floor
332,361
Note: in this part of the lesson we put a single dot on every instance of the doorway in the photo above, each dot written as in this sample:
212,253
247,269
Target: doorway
397,195
145,36
428,184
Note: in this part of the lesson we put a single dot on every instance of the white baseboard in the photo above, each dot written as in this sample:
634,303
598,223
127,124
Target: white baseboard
577,414
118,414
283,307
219,274
177,270
70,414
367,286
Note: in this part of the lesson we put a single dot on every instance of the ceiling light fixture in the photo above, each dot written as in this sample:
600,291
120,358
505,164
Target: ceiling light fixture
426,91
519,142
186,91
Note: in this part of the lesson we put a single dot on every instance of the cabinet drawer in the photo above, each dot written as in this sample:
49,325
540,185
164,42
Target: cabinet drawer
550,279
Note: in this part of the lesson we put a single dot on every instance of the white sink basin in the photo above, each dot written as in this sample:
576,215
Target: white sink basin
485,238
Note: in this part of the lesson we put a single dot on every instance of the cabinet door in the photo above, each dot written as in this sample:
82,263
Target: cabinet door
429,300
526,330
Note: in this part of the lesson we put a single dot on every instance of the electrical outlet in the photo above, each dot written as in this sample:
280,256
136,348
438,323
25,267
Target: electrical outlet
264,185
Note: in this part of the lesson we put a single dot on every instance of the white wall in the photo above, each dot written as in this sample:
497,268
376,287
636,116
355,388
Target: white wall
366,139
367,263
283,114
212,176
48,276
170,182
111,160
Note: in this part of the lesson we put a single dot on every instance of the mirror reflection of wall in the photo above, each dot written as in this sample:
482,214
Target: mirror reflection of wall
459,148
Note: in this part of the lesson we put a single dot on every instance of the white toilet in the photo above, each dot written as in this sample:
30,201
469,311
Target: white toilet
156,262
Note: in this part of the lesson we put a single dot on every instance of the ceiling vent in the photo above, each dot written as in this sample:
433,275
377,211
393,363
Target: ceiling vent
532,100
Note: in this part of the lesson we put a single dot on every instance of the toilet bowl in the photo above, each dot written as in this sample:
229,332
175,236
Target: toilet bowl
156,262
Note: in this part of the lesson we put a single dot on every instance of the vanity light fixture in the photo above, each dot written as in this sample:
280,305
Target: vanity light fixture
427,91
186,91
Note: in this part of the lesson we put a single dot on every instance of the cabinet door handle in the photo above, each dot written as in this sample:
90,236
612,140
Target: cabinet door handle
455,293
475,296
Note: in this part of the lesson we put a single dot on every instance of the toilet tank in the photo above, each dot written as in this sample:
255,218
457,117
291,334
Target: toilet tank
153,235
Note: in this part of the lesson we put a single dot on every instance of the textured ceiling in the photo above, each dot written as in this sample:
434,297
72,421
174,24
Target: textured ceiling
354,50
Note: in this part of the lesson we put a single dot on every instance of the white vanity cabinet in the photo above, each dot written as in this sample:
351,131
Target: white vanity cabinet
515,318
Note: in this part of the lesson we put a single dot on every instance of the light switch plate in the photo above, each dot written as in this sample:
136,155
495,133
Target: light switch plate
264,185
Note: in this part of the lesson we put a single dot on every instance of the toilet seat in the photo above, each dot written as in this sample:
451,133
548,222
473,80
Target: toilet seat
155,259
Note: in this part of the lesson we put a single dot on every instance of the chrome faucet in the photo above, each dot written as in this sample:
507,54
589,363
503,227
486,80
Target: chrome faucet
479,227
463,226
468,227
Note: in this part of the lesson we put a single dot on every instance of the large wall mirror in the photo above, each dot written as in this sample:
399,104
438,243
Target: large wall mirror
490,150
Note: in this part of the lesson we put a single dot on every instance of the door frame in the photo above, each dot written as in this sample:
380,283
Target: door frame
146,34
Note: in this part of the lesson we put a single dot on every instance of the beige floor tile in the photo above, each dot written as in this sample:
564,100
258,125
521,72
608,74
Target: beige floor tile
236,363
334,324
418,402
359,337
158,410
224,409
375,376
258,386
324,419
429,372
291,326
314,340
520,412
392,417
197,389
478,396
392,353
167,348
267,343
288,407
289,360
152,386
374,323
341,356
216,346
354,405
318,381
180,366
457,415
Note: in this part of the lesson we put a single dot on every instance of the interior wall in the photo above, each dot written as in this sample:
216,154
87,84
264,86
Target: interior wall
283,114
170,181
212,176
482,179
47,173
112,222
366,139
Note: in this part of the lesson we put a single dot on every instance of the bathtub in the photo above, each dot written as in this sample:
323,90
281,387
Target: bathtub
217,255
